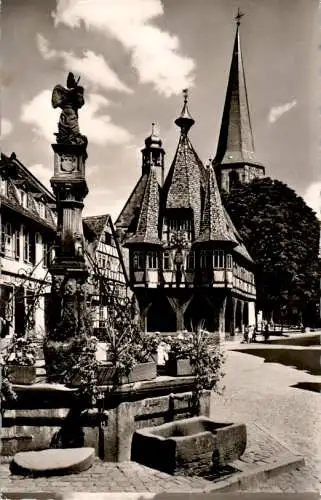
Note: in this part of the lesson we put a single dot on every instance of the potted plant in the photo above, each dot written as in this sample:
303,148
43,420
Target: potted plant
7,393
178,363
20,360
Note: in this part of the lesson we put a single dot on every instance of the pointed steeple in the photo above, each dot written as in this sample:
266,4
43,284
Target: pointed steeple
182,184
147,226
214,226
236,144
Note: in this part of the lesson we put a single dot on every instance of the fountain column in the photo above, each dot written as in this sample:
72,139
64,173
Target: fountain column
68,269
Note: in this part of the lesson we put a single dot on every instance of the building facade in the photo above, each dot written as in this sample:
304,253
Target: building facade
107,265
27,236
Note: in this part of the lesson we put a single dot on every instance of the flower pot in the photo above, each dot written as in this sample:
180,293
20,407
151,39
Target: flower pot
178,367
106,371
140,372
22,375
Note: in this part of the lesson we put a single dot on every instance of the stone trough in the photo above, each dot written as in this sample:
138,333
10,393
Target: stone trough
188,443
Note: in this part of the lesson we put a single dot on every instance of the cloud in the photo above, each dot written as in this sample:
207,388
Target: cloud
93,67
94,123
6,127
312,197
277,111
42,173
155,53
44,49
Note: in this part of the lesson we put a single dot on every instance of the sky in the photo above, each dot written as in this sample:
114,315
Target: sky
135,57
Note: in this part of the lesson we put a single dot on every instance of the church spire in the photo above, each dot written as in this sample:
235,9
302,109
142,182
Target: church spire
236,144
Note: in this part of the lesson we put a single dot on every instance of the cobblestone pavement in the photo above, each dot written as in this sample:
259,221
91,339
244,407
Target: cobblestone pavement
261,393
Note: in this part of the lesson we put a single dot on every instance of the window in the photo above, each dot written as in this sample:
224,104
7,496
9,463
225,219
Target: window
17,244
138,260
203,259
46,252
108,238
152,261
29,247
41,209
166,260
190,264
218,259
229,261
6,239
23,198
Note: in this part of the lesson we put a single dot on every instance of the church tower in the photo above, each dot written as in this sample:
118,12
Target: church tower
235,159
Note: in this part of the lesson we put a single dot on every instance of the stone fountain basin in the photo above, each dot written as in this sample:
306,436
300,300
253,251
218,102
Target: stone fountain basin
191,442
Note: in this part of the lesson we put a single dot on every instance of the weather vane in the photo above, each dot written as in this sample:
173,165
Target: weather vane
239,16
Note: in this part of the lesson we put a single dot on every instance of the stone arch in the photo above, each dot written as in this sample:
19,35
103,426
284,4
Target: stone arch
160,316
200,310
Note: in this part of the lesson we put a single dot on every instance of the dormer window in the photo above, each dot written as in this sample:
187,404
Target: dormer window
138,260
218,259
23,198
229,261
166,260
152,260
190,263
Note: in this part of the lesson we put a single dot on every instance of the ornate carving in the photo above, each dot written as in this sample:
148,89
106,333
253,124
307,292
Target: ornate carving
69,100
68,163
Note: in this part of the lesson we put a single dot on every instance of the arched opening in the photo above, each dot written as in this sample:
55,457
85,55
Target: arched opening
246,314
161,317
234,178
200,311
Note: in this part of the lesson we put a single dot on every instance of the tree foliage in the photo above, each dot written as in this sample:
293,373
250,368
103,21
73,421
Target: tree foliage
281,234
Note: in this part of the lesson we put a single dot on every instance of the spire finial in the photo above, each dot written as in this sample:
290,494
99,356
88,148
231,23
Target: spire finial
185,95
238,16
153,128
185,121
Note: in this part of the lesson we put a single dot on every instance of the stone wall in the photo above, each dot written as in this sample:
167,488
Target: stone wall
41,412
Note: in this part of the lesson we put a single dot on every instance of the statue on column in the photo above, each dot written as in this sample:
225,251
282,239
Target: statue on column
69,100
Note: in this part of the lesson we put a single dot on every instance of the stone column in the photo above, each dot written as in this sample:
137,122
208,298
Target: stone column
221,323
233,322
242,316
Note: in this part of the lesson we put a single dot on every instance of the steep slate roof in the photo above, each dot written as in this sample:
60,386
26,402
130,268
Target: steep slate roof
214,225
147,227
236,144
96,223
130,213
186,174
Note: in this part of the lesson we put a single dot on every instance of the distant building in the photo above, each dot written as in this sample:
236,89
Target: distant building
107,265
235,159
27,235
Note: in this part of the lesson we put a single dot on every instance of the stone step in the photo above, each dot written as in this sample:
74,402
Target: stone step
53,462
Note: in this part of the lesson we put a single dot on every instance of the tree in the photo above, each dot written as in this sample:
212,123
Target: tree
281,234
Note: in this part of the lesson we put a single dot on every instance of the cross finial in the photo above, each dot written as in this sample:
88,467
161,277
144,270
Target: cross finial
238,16
185,95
